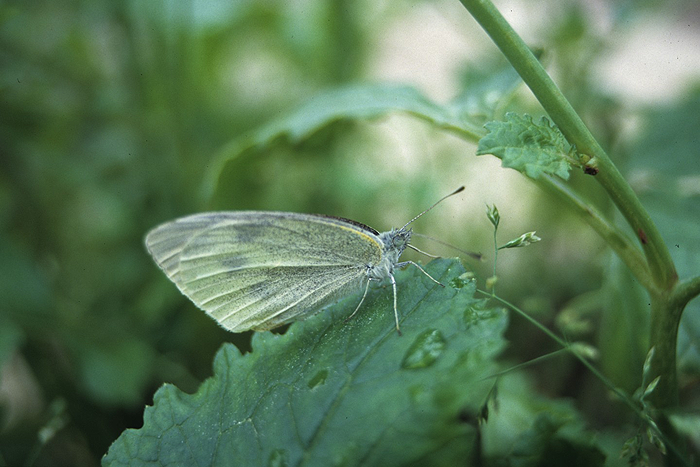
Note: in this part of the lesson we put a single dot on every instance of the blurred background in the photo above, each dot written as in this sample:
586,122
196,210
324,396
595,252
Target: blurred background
112,115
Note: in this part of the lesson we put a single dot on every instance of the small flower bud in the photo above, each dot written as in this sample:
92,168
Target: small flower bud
523,240
493,215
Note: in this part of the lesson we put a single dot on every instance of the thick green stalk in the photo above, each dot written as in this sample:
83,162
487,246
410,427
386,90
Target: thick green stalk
685,291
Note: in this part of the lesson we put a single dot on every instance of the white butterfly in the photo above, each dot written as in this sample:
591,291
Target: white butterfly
259,270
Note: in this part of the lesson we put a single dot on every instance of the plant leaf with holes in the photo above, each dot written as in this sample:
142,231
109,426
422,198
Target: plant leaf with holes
330,392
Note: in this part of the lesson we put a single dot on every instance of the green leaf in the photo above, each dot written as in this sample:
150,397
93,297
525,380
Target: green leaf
526,429
528,147
330,392
345,103
541,445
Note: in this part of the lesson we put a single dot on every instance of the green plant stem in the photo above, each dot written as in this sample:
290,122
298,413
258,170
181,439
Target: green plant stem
618,241
664,336
624,397
495,258
667,434
665,316
562,113
685,291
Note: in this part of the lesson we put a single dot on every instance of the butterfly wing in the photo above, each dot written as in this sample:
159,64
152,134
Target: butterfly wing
259,270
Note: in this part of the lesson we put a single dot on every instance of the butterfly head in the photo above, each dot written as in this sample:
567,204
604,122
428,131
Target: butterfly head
395,241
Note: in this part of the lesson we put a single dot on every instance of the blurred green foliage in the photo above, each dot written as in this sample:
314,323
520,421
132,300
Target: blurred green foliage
110,115
113,116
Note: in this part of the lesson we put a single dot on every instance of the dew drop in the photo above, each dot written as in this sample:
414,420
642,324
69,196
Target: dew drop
318,379
425,350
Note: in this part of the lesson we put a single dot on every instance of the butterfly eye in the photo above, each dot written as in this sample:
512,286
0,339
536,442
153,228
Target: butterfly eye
399,241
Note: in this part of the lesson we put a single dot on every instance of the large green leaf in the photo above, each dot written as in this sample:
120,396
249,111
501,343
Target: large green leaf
344,103
330,392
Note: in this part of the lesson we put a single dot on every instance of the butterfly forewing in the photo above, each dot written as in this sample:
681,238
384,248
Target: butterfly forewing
259,270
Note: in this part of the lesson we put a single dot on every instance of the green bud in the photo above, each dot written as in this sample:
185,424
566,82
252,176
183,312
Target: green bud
646,369
493,215
523,240
651,386
491,282
586,351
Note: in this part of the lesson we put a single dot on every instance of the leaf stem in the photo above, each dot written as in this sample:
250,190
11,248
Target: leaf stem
495,259
685,291
615,238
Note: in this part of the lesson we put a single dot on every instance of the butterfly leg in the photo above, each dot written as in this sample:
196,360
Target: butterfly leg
396,313
406,263
359,304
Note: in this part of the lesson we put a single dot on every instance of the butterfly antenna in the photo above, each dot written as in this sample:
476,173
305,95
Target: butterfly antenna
471,254
458,190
